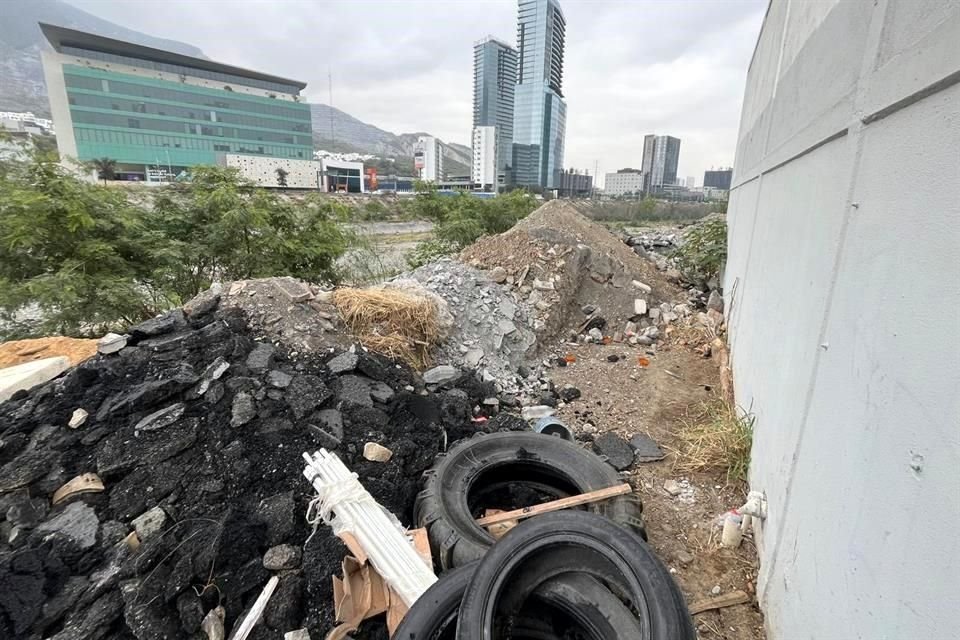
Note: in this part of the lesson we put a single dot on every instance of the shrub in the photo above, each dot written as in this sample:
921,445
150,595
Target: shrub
704,249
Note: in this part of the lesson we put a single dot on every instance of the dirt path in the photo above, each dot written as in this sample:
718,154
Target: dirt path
627,399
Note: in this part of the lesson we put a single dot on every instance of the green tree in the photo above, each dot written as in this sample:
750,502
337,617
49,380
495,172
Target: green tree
73,254
106,168
282,176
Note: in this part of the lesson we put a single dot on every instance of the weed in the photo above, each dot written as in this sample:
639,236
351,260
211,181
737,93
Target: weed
717,437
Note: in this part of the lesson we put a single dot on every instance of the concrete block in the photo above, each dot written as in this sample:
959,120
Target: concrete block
30,374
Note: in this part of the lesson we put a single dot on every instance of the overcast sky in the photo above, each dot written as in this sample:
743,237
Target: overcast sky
632,67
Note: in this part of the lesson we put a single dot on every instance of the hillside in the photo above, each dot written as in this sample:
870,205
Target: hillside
21,76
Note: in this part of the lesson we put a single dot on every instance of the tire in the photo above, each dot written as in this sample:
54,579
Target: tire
582,599
555,544
480,470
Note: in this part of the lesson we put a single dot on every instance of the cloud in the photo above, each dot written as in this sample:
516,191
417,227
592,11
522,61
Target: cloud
631,67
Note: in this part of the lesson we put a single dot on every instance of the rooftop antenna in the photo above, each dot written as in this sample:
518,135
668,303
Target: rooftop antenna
333,135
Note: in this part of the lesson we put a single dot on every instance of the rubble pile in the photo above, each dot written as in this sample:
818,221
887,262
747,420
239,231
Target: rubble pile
180,453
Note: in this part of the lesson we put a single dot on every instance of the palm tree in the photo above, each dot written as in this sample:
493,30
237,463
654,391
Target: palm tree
106,168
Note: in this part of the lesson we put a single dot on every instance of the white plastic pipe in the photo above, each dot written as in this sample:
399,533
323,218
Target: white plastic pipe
347,506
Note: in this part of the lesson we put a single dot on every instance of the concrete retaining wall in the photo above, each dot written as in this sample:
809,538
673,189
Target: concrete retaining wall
843,287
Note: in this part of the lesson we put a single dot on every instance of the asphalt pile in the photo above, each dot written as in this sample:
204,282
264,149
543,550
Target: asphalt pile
195,430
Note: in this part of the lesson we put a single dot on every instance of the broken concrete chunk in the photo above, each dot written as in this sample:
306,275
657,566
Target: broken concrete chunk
282,556
243,411
111,343
30,374
78,418
639,307
473,357
162,418
376,453
536,412
296,291
78,521
506,327
439,375
642,287
260,358
150,523
543,285
618,453
343,363
279,379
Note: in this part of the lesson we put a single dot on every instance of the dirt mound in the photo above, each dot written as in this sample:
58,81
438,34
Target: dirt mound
20,351
559,262
196,430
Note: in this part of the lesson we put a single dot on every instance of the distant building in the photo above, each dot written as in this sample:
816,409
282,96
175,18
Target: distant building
157,113
661,154
494,84
428,159
26,121
719,179
327,174
691,182
623,182
484,170
540,113
575,185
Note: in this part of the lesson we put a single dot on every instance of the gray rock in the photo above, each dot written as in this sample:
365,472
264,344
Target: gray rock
498,275
506,327
78,522
568,393
617,451
715,301
685,557
260,358
111,343
355,390
644,340
279,379
166,323
279,512
343,363
672,487
25,511
150,523
282,556
652,332
439,375
162,418
587,309
595,334
646,449
473,357
244,409
306,393
381,392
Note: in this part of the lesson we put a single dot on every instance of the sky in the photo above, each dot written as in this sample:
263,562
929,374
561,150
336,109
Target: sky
631,67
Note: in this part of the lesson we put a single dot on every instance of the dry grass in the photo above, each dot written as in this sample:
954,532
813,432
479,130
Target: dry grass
398,324
718,437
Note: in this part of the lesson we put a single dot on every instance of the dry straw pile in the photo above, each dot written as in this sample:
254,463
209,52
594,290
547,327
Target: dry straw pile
397,323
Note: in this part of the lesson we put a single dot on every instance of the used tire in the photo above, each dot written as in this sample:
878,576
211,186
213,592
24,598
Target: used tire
555,544
587,608
482,471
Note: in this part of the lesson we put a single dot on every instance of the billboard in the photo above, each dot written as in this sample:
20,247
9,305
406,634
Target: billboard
371,178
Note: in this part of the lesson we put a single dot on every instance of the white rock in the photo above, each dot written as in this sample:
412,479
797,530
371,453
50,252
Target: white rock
639,306
298,634
111,343
536,412
643,287
78,418
376,453
150,522
716,590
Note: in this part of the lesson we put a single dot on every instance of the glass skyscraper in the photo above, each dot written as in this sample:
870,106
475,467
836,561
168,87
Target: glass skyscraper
540,113
494,83
157,113
661,154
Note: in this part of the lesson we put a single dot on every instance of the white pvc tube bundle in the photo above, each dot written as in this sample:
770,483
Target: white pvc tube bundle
346,505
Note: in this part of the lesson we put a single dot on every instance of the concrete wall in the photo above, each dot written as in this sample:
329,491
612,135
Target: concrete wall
301,174
843,288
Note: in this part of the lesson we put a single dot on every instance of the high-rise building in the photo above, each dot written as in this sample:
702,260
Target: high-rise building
691,182
494,84
485,147
574,184
718,179
428,159
540,113
156,113
661,154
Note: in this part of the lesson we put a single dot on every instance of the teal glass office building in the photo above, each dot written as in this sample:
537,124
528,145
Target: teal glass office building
157,113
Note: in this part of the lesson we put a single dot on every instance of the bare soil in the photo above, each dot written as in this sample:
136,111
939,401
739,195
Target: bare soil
626,398
21,351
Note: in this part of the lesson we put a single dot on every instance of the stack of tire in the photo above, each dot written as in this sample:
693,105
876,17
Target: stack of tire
585,574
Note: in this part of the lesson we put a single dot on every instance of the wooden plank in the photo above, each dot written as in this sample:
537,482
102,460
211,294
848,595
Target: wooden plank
719,602
556,505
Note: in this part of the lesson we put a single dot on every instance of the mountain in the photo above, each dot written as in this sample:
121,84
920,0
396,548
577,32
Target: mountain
336,130
22,87
21,76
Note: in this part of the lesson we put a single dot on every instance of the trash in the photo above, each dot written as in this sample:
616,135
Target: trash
256,611
732,529
85,483
344,504
643,362
548,425
537,412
